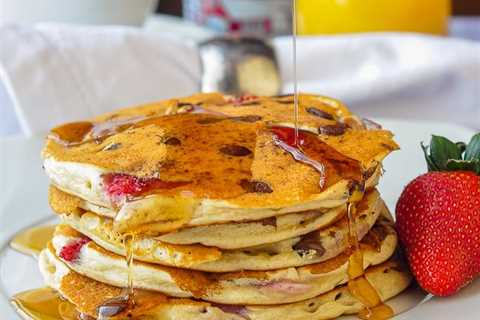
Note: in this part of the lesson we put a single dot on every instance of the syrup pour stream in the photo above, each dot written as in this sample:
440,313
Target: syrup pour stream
358,285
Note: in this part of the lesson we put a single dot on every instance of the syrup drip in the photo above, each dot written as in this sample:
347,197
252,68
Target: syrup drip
358,284
33,240
308,149
129,241
44,304
126,300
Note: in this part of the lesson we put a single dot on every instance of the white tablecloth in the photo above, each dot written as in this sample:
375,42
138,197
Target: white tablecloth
57,73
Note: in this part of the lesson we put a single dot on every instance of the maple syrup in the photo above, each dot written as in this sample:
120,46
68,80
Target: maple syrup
32,240
126,300
44,304
308,149
295,80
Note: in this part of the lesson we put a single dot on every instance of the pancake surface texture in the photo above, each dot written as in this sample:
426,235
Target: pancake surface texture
147,165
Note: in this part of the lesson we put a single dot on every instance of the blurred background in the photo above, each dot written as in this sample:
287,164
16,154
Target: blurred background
62,60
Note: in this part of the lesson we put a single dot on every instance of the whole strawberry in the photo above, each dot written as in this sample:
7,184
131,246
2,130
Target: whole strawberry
438,217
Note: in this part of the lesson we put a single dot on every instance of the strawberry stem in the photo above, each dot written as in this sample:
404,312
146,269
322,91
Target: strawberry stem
444,155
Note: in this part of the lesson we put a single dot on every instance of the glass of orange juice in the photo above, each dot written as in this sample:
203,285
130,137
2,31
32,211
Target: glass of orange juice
347,16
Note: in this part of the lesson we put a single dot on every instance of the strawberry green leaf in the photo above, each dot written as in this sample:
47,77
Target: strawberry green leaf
442,150
472,151
464,165
430,164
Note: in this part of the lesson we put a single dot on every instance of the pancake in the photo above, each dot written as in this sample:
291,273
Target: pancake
388,279
234,235
148,167
254,287
313,247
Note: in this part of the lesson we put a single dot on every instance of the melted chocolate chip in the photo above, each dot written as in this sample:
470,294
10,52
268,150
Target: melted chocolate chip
289,101
172,141
248,103
113,307
308,243
235,150
249,118
319,113
255,186
185,104
333,129
210,120
272,221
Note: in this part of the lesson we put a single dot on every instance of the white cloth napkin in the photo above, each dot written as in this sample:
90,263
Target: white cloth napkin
57,73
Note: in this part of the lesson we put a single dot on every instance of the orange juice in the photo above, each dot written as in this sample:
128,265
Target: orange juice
347,16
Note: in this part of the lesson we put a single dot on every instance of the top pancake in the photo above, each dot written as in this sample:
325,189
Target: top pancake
209,152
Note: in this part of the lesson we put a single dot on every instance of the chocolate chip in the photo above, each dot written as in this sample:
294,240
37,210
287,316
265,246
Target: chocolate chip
172,141
320,113
113,146
308,243
332,129
235,150
338,296
185,104
249,118
254,186
272,221
289,101
248,103
113,307
209,120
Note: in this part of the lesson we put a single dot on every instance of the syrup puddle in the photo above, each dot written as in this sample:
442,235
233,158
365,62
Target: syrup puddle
33,240
44,304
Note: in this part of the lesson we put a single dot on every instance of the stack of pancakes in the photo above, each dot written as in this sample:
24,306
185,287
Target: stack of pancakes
227,211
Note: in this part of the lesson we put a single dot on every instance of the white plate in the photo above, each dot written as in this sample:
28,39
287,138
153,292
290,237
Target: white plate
23,202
